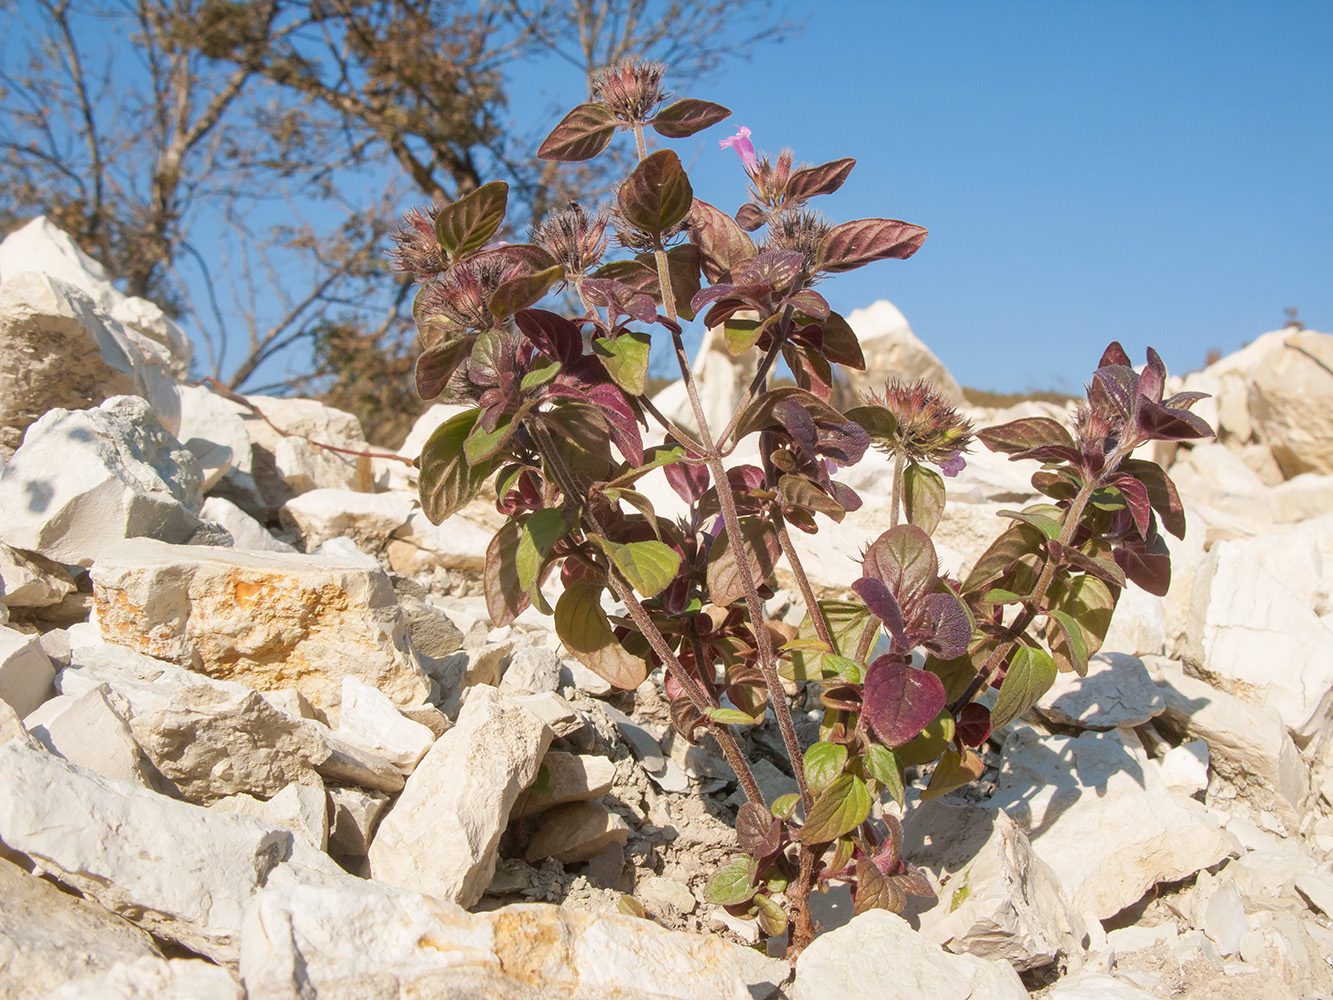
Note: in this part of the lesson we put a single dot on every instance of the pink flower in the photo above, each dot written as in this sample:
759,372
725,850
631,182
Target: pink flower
741,143
953,465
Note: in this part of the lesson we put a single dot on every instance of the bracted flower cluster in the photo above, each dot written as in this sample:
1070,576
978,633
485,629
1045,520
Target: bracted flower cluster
926,428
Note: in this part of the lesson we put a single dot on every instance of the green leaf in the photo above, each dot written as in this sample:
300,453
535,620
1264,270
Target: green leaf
482,444
761,548
1013,543
626,360
734,882
649,566
923,497
883,765
468,224
823,763
1074,640
784,806
542,529
759,415
1043,517
657,195
542,371
1090,602
631,907
581,134
582,626
840,808
772,918
845,619
1030,675
448,482
998,595
733,716
740,334
932,742
953,771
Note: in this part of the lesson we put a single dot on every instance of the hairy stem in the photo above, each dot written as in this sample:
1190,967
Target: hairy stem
897,489
803,582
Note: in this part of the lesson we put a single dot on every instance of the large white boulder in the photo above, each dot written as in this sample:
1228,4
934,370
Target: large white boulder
84,479
1098,812
25,671
892,350
267,619
1253,637
368,519
212,429
442,836
287,457
1291,402
1117,691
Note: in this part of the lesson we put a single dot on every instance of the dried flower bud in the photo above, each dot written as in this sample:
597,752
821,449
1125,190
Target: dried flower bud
632,89
928,428
631,238
768,181
417,251
801,231
463,293
575,239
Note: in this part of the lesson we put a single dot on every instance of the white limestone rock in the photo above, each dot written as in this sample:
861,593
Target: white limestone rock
49,937
84,479
1138,626
246,532
303,809
212,429
371,721
533,669
28,580
1185,768
569,778
1247,744
1243,620
267,619
1096,986
89,731
878,950
368,519
295,944
1302,498
442,835
892,350
151,978
288,460
1291,402
1000,901
575,831
353,814
1096,810
178,871
420,547
1117,691
25,671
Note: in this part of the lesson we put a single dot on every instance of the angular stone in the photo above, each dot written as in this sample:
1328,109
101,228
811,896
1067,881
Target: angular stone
180,872
61,353
49,937
1117,691
354,813
1291,402
1138,626
575,831
287,458
269,620
432,630
25,671
1185,768
1096,986
468,668
442,835
1302,498
177,978
457,543
877,948
1243,620
85,479
563,719
246,532
91,732
533,669
302,809
212,429
371,721
212,738
892,350
1095,809
414,946
368,519
1000,900
1248,745
569,778
30,580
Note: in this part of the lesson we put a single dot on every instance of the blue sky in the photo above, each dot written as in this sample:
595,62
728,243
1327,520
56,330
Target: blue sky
1154,171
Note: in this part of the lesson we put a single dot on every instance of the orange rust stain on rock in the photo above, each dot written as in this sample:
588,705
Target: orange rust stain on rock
121,622
530,945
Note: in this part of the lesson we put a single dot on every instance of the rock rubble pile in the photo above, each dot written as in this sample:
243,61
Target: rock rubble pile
258,738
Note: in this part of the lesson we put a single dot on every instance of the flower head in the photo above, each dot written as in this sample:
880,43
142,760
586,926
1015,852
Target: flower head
417,251
922,426
632,89
574,238
461,296
741,143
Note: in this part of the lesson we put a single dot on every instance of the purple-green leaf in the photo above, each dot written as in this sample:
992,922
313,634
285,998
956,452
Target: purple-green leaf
507,596
923,497
722,244
687,116
953,771
582,626
823,179
854,244
581,134
448,482
1030,674
900,700
903,559
734,882
875,890
657,195
1025,434
839,809
524,291
761,548
468,224
436,366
